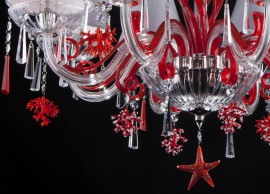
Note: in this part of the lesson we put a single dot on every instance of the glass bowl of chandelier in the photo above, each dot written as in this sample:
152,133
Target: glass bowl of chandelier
205,64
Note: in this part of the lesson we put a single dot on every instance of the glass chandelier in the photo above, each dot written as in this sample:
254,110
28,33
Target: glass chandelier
196,63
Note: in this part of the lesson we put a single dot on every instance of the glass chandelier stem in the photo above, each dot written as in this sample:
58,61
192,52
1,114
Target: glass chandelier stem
21,49
30,64
230,146
144,20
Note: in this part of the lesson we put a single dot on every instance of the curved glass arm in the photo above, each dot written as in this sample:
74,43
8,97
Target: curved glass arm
79,79
263,44
107,93
132,41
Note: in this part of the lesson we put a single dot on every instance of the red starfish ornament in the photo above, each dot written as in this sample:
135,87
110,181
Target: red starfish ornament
199,169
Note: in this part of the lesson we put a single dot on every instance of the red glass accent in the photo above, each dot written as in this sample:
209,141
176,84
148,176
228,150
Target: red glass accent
166,69
76,47
217,4
229,75
264,82
99,43
43,110
192,26
136,18
230,116
6,79
250,98
155,98
124,122
199,169
143,124
172,143
263,127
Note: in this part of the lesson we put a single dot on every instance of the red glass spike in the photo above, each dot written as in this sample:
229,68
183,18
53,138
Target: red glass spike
143,124
5,82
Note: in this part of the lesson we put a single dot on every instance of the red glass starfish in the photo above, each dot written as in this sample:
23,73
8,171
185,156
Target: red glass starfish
199,169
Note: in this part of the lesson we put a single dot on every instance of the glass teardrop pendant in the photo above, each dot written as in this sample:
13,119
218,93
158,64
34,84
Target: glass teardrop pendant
5,82
167,129
230,146
133,140
35,85
21,49
121,100
30,64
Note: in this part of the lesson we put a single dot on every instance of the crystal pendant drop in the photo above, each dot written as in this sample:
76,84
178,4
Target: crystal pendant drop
121,100
5,82
230,146
21,49
133,139
227,36
35,85
30,64
167,121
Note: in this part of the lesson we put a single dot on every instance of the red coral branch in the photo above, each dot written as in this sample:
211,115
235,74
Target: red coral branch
263,127
43,109
124,122
172,143
99,43
229,116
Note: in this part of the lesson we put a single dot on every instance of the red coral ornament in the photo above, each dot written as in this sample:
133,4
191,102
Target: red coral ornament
172,143
229,116
43,108
263,127
125,122
99,43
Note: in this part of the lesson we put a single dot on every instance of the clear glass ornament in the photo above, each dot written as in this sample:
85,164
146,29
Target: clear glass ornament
230,146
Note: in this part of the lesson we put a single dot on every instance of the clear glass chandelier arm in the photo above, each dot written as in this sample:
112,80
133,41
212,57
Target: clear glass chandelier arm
133,42
79,79
156,107
251,108
263,45
105,94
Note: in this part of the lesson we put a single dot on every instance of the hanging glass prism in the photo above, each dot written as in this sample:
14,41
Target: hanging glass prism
230,146
30,64
21,49
121,100
167,129
133,140
35,85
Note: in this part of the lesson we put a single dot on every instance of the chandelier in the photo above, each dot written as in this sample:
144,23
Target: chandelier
197,63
